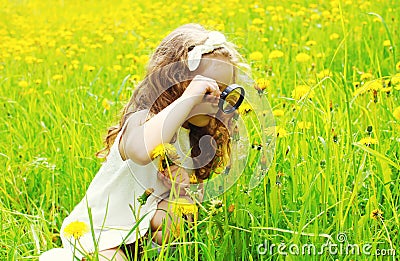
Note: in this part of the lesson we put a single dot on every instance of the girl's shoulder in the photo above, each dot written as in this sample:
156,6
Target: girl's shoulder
133,120
138,117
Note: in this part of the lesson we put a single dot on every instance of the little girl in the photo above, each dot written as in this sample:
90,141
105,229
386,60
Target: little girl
177,103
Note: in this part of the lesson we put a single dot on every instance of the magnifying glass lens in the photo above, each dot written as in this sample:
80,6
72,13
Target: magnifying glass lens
231,98
230,102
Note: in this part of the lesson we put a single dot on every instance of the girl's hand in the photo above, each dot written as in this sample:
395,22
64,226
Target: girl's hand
200,86
180,178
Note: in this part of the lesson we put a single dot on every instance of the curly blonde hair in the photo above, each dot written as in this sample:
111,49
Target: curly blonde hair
166,79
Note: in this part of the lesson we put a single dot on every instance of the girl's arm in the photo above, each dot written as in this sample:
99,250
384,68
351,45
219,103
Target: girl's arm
139,140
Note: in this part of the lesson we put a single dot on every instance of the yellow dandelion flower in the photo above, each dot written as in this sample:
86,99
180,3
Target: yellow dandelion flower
256,56
368,141
275,54
37,81
76,229
143,59
302,57
377,20
193,178
327,14
23,84
167,153
257,21
277,18
88,68
182,206
281,132
386,89
359,91
302,91
117,67
311,43
377,214
334,36
283,41
311,82
109,39
396,113
395,80
314,17
387,43
162,149
278,113
106,104
75,64
366,76
57,77
398,66
324,73
304,125
356,84
134,78
30,91
369,86
386,82
277,131
245,108
130,56
262,84
30,59
373,85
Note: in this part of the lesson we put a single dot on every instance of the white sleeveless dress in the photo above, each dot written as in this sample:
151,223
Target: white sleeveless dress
112,199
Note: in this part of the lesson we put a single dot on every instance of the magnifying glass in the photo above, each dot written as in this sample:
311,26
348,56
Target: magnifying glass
231,98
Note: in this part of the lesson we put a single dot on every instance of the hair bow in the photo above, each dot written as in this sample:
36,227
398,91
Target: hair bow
214,41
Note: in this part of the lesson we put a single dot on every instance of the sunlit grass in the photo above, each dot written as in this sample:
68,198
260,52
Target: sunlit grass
62,71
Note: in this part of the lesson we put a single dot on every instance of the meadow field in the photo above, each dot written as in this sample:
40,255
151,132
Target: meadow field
330,71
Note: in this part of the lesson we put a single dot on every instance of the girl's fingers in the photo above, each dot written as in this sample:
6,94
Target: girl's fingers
214,89
179,174
212,86
211,99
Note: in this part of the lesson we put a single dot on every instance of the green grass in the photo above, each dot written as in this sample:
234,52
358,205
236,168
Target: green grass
328,183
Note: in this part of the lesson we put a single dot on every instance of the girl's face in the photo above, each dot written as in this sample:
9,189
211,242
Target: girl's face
220,69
